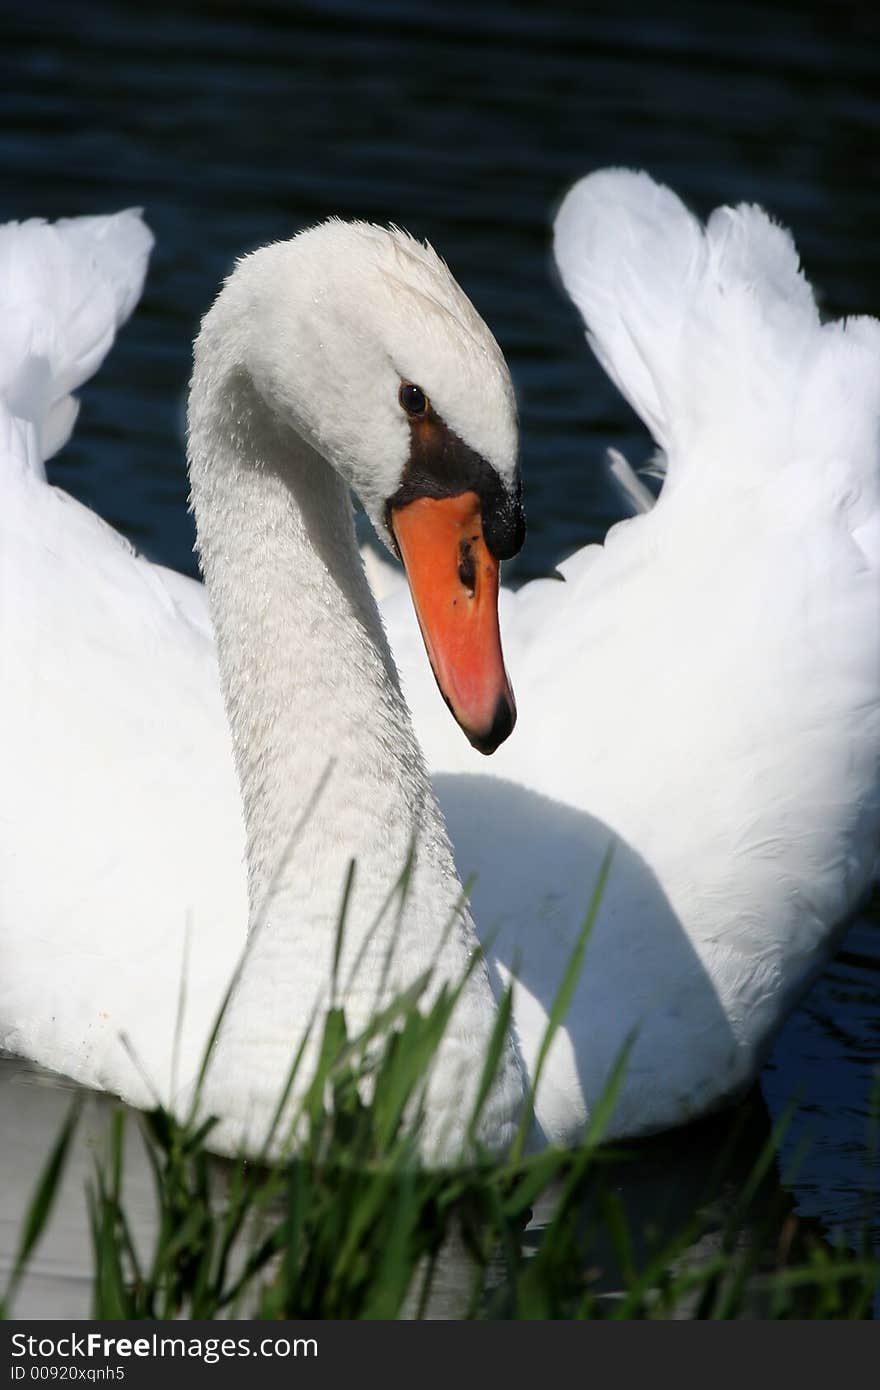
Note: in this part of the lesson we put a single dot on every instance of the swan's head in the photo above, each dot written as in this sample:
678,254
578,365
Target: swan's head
369,348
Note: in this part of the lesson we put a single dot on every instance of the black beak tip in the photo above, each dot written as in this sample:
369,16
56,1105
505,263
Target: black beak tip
501,727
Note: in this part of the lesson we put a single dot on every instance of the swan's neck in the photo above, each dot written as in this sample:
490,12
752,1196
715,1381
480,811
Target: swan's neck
328,763
311,692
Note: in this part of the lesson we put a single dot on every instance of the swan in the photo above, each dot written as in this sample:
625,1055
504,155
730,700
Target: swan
303,387
703,691
705,685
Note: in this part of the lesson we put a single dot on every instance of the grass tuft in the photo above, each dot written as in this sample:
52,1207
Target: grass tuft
349,1223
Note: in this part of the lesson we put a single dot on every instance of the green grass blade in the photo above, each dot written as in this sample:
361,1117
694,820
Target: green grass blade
563,998
42,1202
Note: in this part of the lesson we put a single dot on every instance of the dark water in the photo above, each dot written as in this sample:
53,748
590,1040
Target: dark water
233,125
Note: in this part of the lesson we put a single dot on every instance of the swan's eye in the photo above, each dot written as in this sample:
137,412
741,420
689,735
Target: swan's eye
413,399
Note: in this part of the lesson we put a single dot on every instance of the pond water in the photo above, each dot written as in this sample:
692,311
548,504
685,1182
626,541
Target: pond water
234,125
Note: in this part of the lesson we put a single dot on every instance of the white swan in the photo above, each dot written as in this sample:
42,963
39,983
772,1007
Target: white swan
303,386
705,687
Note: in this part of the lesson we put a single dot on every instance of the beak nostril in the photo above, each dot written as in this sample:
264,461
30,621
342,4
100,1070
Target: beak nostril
467,570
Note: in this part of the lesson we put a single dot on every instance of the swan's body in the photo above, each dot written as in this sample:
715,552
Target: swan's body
705,689
114,734
706,685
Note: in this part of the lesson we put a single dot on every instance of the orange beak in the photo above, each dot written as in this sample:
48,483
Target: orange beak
454,583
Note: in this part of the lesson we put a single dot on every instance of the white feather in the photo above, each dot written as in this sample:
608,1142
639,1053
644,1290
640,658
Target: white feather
64,291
